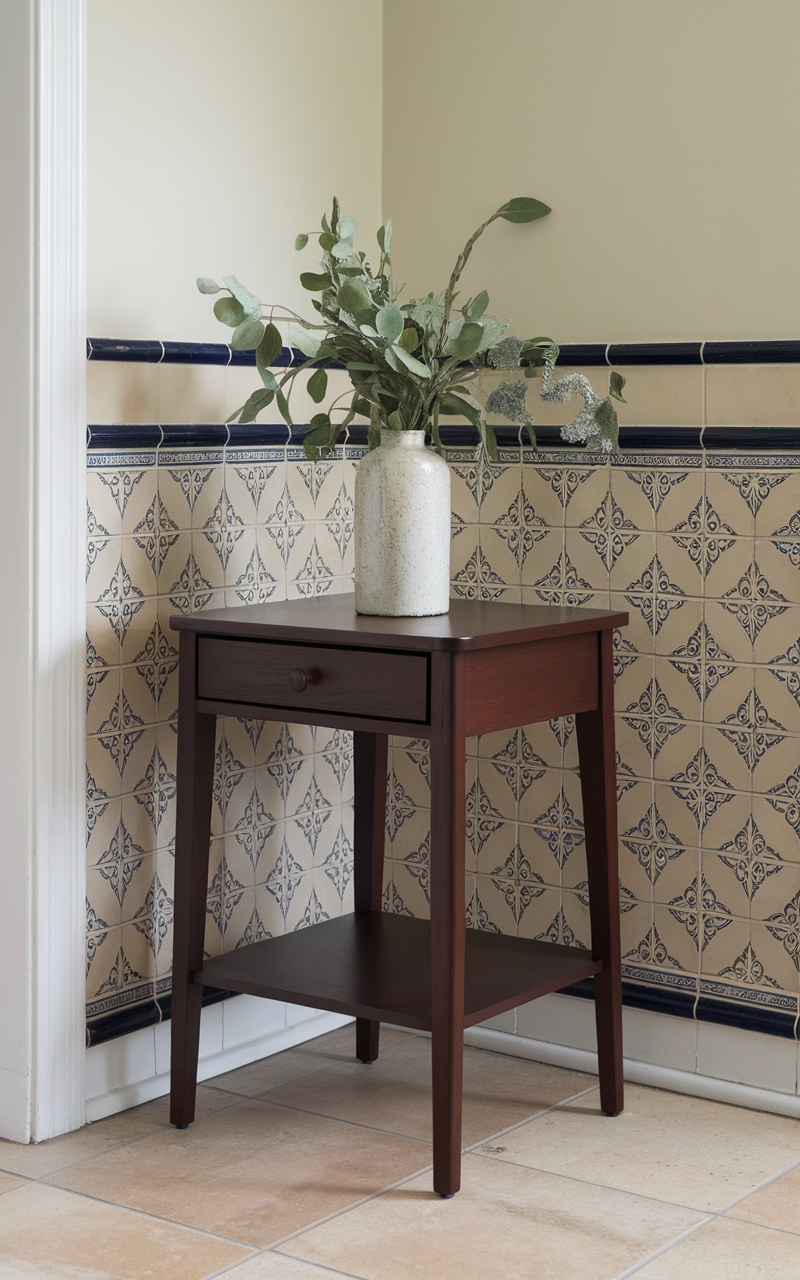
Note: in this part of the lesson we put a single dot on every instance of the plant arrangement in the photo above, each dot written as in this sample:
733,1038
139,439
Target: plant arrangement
409,362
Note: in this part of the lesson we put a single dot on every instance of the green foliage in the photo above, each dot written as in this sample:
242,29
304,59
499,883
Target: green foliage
408,361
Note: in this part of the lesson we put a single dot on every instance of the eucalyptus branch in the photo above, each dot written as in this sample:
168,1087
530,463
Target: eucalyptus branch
461,262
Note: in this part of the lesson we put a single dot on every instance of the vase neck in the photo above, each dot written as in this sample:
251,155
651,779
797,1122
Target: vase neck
401,439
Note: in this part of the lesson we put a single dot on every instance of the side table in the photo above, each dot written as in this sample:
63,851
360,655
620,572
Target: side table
480,668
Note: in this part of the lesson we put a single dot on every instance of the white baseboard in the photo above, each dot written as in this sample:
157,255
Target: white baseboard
134,1069
704,1060
723,1064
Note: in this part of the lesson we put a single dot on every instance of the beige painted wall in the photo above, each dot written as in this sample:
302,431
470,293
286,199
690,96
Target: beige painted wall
218,129
666,137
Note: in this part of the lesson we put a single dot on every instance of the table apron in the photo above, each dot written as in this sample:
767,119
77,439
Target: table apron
526,683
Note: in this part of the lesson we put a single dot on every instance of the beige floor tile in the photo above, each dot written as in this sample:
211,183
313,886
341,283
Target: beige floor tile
47,1233
36,1160
333,1049
505,1222
394,1093
684,1150
252,1172
726,1250
7,1183
778,1205
274,1266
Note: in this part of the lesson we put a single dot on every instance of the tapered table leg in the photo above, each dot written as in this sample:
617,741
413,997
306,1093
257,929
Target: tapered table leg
448,917
370,755
598,786
196,734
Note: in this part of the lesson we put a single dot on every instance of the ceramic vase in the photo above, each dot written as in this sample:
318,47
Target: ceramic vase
402,529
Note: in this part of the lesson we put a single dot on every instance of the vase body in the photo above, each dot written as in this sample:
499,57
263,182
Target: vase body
402,529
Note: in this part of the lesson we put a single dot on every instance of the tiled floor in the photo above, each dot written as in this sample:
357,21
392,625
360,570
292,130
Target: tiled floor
310,1165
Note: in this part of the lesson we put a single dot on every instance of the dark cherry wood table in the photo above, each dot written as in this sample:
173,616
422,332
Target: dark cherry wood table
480,668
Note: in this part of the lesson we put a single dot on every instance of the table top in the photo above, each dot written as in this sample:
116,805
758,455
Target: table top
332,619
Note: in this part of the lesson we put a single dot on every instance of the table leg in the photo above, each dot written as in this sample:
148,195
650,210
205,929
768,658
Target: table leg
196,735
599,789
370,756
448,919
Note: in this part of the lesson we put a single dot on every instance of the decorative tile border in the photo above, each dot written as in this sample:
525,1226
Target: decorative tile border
773,351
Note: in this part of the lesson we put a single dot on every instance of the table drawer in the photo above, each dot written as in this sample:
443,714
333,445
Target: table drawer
358,682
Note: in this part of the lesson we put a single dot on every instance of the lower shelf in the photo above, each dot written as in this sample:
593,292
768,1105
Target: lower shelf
378,966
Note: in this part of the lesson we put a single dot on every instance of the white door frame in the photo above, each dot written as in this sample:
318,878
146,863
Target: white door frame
42,551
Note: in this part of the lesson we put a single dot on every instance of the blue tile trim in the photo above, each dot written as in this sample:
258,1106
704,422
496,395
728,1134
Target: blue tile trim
138,1016
131,436
582,353
746,439
743,441
196,353
679,1004
254,435
771,1022
775,351
202,435
778,351
119,350
655,353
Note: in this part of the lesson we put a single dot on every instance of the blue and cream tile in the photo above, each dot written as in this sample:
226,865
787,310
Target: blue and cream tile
635,491
541,564
543,918
254,483
777,513
776,950
737,493
675,493
725,941
495,905
778,690
677,805
779,630
406,890
673,622
591,555
544,500
120,494
585,490
679,937
191,485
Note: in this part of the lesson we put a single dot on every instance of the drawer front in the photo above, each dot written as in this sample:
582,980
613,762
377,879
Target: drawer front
358,682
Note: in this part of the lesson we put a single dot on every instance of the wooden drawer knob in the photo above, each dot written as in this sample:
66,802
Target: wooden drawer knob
298,679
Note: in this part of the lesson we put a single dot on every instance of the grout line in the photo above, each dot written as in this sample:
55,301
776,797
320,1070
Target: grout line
320,1222
665,1248
760,1186
350,1124
537,1115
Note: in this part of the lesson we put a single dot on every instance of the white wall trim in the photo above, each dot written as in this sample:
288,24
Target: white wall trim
42,545
59,574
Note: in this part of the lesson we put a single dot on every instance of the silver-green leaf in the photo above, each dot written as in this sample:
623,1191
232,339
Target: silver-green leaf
301,241
206,285
389,322
229,312
247,336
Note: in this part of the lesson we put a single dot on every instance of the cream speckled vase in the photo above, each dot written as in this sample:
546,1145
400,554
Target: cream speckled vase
402,529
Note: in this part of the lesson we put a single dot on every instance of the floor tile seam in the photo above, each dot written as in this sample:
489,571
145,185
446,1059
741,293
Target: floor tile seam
666,1248
323,1266
715,1217
277,1245
537,1115
605,1186
155,1217
761,1186
73,1164
350,1124
308,1075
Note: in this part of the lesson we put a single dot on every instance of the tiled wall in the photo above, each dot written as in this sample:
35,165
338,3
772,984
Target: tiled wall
702,549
